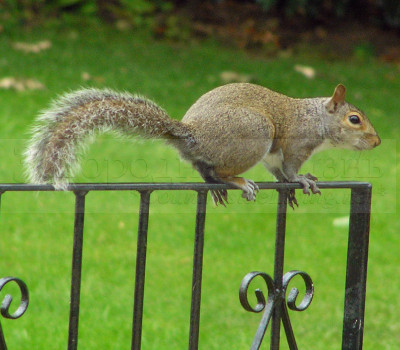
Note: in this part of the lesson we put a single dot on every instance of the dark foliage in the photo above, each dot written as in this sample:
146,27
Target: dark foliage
376,12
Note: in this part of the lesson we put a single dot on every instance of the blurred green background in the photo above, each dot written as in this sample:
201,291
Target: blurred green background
173,52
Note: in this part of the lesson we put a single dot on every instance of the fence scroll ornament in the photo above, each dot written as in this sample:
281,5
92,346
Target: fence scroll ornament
6,303
277,300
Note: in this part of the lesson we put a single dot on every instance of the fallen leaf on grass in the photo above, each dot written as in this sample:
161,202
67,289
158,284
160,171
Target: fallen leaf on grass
308,72
341,221
32,47
85,76
123,25
20,84
121,225
234,77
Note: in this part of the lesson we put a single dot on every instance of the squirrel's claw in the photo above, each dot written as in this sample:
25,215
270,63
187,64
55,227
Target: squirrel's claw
311,177
250,190
224,195
308,183
291,198
219,197
312,182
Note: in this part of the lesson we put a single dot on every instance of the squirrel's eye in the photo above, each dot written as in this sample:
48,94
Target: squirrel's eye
354,119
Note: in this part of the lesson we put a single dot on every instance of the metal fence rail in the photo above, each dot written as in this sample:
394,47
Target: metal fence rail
274,307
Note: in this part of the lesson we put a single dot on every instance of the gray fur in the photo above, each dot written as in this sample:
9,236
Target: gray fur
61,132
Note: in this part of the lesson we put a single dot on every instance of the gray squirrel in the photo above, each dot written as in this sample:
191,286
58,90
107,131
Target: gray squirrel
224,133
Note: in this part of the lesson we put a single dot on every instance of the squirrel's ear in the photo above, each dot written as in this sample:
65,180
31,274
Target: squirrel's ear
338,97
340,94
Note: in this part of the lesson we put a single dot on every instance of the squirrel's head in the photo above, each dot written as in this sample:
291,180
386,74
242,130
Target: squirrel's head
353,129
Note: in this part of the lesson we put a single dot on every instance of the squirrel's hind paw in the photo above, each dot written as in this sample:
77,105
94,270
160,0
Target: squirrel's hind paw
219,197
248,187
291,198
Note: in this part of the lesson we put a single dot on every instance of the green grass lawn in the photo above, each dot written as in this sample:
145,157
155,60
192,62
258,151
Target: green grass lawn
36,229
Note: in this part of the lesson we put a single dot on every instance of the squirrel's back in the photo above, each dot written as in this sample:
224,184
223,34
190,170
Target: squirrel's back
238,96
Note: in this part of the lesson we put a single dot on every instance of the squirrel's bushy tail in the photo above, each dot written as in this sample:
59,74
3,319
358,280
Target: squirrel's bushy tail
63,129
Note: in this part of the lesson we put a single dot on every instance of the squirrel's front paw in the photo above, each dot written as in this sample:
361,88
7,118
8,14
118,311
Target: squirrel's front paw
308,182
250,190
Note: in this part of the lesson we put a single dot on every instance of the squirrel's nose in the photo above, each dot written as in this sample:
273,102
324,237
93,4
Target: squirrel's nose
377,141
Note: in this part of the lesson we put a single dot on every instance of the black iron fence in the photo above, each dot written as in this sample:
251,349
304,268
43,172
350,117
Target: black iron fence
274,306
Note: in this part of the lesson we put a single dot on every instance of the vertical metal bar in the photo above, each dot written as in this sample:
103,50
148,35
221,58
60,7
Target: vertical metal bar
3,345
140,269
76,269
288,327
356,274
0,202
278,267
197,271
